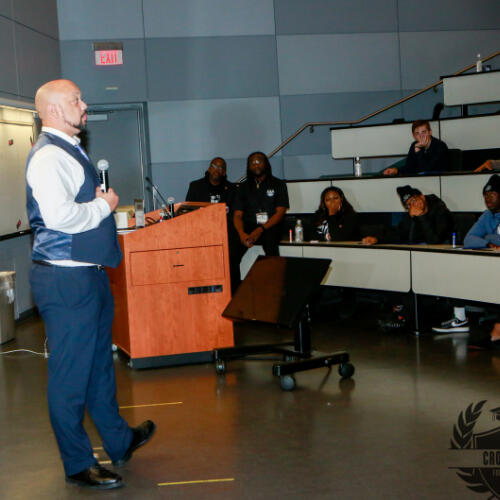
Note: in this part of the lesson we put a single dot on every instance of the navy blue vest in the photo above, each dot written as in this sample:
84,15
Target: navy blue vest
97,246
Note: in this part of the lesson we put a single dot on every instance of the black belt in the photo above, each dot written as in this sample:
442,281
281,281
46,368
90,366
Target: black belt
49,264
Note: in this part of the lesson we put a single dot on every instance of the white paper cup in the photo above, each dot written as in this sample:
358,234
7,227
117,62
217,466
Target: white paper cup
121,220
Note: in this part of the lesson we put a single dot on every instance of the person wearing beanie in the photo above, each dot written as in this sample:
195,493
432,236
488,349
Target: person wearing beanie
427,220
485,233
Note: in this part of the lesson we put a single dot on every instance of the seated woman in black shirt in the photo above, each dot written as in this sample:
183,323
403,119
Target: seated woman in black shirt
335,219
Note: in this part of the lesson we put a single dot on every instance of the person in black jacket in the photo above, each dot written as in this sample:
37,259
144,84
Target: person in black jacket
427,220
214,186
426,154
335,219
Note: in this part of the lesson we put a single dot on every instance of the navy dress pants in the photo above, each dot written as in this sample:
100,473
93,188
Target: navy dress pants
76,306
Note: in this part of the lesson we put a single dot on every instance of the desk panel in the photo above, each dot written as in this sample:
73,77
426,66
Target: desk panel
472,88
372,268
304,196
470,277
380,140
464,193
471,133
379,195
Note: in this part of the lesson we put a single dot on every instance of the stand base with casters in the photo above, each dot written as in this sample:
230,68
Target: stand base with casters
295,360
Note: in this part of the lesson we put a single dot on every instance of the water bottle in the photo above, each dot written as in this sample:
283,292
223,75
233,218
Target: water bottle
299,232
357,167
139,212
454,240
479,64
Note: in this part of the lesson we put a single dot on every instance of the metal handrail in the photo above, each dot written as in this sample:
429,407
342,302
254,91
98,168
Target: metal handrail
381,110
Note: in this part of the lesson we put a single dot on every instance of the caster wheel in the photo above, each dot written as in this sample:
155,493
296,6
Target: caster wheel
346,370
220,366
287,382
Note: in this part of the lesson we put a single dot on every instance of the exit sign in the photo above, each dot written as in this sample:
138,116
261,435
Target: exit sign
108,57
108,53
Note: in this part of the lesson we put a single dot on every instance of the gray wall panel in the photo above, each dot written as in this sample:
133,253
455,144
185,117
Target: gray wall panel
422,106
426,56
342,16
95,19
37,58
221,67
126,83
186,18
6,8
338,63
183,131
429,15
8,76
297,110
40,15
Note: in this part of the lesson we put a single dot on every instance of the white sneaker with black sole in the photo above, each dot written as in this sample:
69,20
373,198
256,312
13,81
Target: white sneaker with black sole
453,325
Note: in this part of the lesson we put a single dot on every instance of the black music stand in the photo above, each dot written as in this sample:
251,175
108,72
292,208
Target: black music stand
277,290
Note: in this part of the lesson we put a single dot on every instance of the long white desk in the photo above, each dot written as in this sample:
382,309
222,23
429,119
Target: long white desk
460,192
437,270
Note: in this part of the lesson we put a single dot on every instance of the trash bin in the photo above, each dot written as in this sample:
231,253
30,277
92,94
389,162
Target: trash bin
7,294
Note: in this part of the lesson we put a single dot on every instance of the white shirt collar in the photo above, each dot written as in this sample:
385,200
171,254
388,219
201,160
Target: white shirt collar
74,141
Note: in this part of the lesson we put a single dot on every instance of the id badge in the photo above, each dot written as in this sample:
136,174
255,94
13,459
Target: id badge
262,217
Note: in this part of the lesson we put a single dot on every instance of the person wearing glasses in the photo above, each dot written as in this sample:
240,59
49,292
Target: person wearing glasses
214,186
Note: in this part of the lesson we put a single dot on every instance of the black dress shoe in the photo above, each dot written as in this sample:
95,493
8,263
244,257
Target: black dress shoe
96,477
141,435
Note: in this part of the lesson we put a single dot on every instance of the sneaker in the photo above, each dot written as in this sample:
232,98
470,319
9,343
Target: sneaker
396,323
453,325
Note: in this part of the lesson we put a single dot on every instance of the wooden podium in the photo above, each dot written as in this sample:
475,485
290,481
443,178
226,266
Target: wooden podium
171,288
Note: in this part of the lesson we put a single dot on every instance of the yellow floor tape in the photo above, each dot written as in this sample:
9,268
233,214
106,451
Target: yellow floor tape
223,480
152,404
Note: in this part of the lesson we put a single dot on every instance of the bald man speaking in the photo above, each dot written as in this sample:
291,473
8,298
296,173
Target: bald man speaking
74,238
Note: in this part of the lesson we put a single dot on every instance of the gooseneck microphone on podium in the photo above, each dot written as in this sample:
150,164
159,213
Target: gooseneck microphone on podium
170,202
103,166
156,190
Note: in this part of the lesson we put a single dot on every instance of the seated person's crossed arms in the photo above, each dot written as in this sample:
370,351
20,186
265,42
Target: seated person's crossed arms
335,219
426,220
426,153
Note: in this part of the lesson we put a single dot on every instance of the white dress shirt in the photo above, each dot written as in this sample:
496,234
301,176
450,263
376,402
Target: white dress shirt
56,178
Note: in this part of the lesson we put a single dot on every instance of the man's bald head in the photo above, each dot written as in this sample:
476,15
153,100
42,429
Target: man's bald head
59,105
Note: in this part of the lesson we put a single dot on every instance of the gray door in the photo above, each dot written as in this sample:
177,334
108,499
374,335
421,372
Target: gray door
116,134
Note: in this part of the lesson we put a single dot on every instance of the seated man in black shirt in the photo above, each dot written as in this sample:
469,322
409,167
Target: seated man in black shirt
426,154
260,205
214,187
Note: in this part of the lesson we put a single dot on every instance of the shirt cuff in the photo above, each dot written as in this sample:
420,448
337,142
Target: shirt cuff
103,207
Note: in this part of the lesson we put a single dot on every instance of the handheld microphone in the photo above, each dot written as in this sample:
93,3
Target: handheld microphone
170,202
103,166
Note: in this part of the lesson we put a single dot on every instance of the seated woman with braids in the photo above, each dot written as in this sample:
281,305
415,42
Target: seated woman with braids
335,219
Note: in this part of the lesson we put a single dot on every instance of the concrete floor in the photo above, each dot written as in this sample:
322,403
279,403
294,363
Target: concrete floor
384,434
